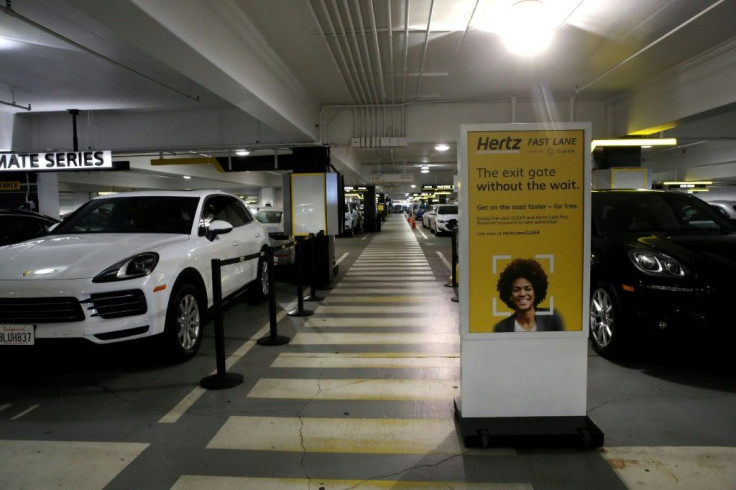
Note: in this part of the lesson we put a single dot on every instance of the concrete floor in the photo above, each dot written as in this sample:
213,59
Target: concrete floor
361,397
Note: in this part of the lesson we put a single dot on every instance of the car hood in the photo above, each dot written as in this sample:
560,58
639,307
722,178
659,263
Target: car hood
75,256
707,251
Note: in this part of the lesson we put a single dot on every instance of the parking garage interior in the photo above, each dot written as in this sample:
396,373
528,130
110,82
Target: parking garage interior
363,392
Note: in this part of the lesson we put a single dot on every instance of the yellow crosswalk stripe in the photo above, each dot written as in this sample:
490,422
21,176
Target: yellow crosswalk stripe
328,435
366,360
196,482
356,389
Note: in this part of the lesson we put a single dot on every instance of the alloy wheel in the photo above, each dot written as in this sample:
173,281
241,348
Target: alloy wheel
601,318
188,322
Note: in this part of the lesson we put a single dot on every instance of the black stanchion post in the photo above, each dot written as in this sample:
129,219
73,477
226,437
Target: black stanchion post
313,296
453,275
273,338
222,379
300,311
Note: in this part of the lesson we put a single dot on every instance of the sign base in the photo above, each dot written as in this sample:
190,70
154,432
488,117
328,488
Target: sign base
528,432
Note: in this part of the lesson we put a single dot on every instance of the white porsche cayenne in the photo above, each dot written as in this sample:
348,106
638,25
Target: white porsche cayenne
131,265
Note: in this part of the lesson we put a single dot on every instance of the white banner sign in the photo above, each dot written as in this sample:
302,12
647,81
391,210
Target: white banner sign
56,161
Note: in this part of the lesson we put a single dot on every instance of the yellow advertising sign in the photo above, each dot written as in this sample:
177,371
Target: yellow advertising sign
525,192
10,185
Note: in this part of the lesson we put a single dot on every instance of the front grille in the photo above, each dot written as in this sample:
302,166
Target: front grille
117,304
40,310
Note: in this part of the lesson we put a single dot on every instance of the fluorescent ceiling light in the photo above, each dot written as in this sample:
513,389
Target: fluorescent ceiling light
634,142
242,153
187,177
424,171
442,147
527,30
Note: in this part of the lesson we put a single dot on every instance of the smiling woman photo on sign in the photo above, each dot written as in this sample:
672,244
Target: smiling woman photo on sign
522,286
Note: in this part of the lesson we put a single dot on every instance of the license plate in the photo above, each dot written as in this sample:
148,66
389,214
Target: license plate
17,335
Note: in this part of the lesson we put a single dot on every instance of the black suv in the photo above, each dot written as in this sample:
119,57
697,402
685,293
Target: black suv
17,226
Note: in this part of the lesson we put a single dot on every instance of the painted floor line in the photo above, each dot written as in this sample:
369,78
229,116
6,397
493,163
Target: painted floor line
197,482
444,260
339,291
342,321
383,309
429,300
327,435
363,360
672,468
65,464
375,338
185,403
25,412
357,389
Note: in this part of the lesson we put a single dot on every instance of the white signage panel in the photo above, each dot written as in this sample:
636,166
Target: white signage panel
55,161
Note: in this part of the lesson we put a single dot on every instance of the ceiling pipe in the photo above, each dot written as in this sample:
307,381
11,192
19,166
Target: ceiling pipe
365,65
424,49
406,50
356,90
645,48
353,67
377,49
391,64
322,34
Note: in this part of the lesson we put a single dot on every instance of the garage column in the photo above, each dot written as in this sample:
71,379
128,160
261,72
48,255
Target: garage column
48,194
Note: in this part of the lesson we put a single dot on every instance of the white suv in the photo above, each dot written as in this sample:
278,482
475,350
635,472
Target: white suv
131,265
353,219
445,217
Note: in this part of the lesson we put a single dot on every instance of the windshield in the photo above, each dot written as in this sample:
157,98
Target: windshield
447,210
269,217
141,214
628,212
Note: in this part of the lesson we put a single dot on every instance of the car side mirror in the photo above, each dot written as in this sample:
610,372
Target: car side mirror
218,227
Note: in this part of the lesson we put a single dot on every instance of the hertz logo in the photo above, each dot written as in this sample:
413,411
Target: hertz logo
503,145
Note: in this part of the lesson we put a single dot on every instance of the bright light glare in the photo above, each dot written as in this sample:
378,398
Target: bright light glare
442,147
6,43
242,153
527,31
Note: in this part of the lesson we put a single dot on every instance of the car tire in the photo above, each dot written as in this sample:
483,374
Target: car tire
260,288
606,334
184,323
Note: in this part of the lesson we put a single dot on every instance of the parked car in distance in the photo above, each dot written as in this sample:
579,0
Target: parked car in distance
427,217
419,213
446,215
273,220
131,265
727,209
353,218
17,226
662,265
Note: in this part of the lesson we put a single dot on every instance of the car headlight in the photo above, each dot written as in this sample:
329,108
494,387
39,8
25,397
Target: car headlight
657,264
137,266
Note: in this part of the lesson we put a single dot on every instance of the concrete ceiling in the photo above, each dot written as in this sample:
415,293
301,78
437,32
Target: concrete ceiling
289,66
